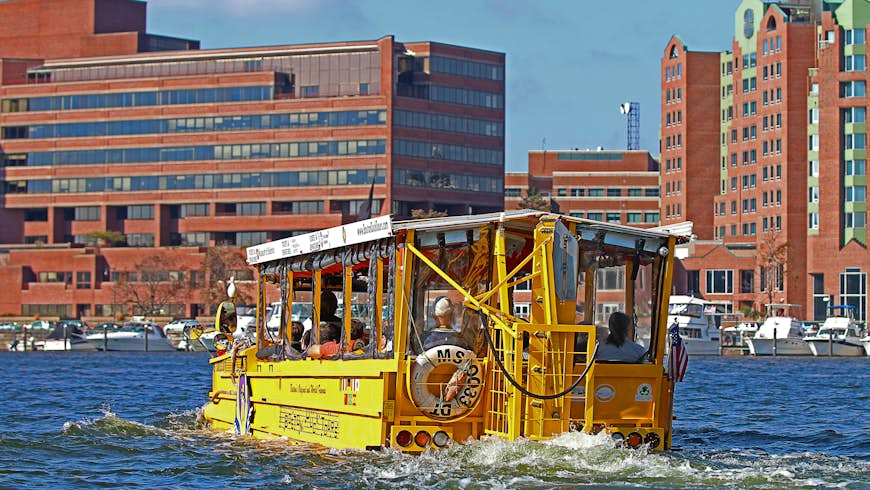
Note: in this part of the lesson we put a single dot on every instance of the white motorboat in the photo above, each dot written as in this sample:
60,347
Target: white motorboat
66,336
778,336
132,338
866,342
698,322
839,335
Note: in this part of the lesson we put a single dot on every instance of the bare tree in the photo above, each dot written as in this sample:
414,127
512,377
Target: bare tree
156,283
427,213
773,262
219,264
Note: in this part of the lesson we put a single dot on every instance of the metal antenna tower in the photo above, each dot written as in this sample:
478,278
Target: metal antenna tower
632,110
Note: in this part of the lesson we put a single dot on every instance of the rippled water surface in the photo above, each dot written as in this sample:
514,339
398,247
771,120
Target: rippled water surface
128,420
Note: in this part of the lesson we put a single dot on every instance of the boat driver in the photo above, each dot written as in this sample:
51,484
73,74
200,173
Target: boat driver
616,347
444,333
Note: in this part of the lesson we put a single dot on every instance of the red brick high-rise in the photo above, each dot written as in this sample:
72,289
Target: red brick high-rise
787,220
106,128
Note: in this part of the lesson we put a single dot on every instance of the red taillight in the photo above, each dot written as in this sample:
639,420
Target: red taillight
422,438
653,440
634,440
403,438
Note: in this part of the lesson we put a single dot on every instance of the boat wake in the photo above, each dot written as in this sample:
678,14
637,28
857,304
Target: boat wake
577,458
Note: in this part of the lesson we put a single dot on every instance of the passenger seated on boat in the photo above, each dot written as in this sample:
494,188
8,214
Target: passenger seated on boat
330,334
444,333
358,337
328,307
616,347
296,330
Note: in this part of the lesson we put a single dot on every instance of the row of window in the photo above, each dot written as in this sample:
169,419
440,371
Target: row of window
197,124
607,192
137,99
674,141
197,181
772,71
675,188
194,153
443,122
673,95
674,72
673,210
466,68
615,217
675,118
674,165
444,180
464,96
770,46
443,151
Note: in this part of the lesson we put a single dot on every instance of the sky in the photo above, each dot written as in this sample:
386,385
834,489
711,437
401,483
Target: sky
569,63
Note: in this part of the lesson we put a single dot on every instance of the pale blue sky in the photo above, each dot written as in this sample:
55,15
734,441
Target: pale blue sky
569,63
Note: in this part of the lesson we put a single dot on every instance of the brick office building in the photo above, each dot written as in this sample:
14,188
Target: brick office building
761,242
614,186
105,131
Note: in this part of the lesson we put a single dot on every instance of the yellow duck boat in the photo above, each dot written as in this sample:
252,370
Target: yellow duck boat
418,337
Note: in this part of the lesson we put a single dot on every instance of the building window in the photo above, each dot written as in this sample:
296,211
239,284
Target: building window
83,280
855,62
720,281
813,170
856,193
853,141
650,217
854,88
610,279
613,217
856,219
747,281
251,209
143,212
140,239
856,167
87,213
195,239
814,194
853,291
250,238
813,221
309,91
633,217
198,209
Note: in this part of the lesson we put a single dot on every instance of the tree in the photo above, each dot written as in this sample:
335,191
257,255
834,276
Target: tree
219,264
773,263
535,200
155,284
108,237
427,213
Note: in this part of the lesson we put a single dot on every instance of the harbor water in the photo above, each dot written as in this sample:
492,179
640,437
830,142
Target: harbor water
95,420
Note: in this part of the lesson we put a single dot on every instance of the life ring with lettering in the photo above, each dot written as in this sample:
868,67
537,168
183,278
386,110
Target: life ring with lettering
446,381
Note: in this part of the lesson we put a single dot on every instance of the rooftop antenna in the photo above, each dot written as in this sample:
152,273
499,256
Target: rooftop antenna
632,110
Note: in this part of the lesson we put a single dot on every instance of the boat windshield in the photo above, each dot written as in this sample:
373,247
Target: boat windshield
686,309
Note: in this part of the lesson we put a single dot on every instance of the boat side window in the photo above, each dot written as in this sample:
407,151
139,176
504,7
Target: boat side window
437,312
627,276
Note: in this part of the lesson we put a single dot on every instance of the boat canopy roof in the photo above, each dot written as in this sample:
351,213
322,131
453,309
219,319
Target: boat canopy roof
375,229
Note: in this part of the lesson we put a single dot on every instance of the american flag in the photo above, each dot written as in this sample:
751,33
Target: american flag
678,358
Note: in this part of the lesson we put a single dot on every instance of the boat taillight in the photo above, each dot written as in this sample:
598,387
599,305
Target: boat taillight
403,438
440,438
653,440
634,440
618,438
422,438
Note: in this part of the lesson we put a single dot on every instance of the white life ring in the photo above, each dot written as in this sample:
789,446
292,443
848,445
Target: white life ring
456,396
